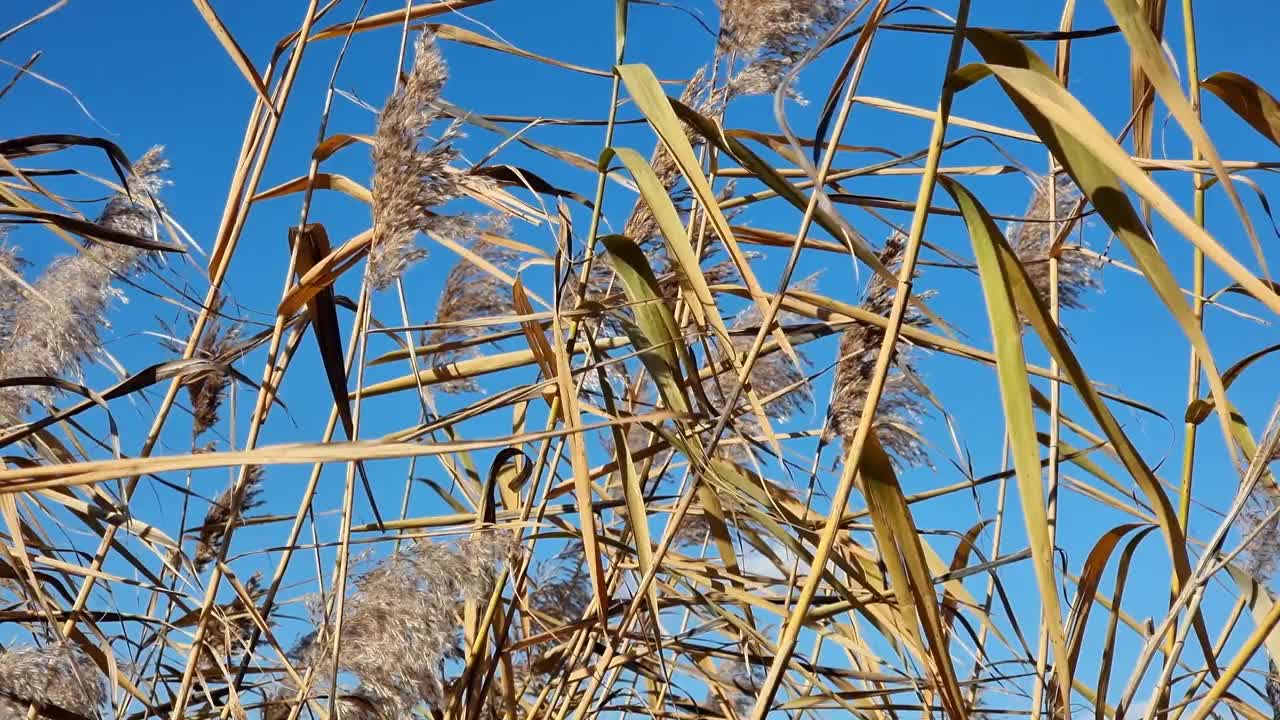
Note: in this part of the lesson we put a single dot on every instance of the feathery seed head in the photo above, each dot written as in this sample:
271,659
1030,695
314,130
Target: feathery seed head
1263,553
208,390
1032,239
773,372
781,27
901,407
56,329
213,532
134,212
771,35
408,180
399,623
470,292
58,679
12,291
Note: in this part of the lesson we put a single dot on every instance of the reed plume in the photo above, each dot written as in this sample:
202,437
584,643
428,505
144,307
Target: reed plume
470,292
400,622
409,181
212,533
770,36
774,372
1033,238
57,679
57,328
208,390
11,289
901,407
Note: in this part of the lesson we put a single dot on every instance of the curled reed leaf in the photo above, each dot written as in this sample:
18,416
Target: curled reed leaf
901,407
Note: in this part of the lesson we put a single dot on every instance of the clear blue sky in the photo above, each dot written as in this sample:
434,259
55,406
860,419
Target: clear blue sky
152,73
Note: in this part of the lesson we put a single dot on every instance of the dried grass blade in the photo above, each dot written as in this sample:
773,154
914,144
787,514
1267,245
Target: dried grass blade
1146,51
1006,332
1097,164
1031,306
657,108
238,56
393,18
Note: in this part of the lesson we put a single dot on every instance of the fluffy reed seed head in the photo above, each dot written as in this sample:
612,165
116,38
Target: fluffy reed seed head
471,292
208,390
1263,553
781,27
901,407
409,180
11,290
739,684
563,586
770,35
136,211
400,622
1033,238
58,679
230,625
212,533
56,329
773,372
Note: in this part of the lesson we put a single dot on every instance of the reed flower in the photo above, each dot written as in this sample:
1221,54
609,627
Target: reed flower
470,292
58,679
563,586
1263,553
901,407
770,36
774,372
212,533
1033,238
11,290
400,622
409,180
738,684
52,331
208,390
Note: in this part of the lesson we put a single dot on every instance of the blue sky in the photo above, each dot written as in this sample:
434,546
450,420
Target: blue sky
152,73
